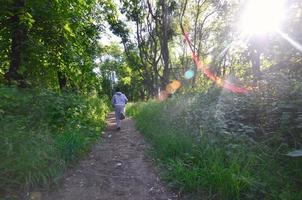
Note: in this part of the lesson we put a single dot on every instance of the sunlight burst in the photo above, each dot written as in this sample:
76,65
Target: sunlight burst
262,16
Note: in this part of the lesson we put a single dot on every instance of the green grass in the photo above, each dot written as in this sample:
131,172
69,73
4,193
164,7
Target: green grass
200,159
41,133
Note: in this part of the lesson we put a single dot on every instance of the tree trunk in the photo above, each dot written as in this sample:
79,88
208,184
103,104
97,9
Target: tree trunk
255,50
164,43
62,80
255,59
18,37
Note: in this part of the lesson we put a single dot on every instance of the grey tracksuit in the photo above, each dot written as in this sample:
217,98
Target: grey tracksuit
119,101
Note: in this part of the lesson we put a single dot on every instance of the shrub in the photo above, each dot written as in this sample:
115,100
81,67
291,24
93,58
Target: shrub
41,132
211,144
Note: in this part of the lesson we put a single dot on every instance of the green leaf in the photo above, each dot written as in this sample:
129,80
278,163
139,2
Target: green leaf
68,30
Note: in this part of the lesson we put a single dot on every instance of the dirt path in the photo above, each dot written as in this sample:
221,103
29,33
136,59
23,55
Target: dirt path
116,169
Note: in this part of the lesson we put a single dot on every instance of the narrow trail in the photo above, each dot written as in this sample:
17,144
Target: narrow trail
116,169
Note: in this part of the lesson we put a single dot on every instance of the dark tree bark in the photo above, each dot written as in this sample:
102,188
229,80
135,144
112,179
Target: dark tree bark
255,59
18,37
255,51
165,27
62,80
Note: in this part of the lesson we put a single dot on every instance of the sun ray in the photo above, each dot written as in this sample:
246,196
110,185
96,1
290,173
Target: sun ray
290,40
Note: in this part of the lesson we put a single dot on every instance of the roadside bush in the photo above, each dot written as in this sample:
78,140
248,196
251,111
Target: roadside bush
219,145
41,132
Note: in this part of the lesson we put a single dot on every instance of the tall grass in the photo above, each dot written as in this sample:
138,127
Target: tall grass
199,156
41,132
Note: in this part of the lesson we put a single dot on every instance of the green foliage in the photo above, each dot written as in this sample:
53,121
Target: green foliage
60,42
42,132
209,145
127,77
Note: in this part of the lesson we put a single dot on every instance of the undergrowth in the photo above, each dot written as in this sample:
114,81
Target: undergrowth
41,132
203,154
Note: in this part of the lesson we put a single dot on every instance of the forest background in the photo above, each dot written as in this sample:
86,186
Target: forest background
57,78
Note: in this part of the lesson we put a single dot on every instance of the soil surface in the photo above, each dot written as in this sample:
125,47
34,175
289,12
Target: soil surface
116,169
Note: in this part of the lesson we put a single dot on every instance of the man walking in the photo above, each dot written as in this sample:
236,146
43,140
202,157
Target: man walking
119,101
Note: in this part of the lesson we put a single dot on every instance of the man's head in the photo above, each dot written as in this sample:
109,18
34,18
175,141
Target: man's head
117,89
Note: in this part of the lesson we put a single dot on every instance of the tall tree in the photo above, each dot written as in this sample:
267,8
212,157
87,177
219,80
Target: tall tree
52,43
18,36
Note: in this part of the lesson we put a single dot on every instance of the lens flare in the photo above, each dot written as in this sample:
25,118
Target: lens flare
163,95
199,65
170,89
189,74
173,86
